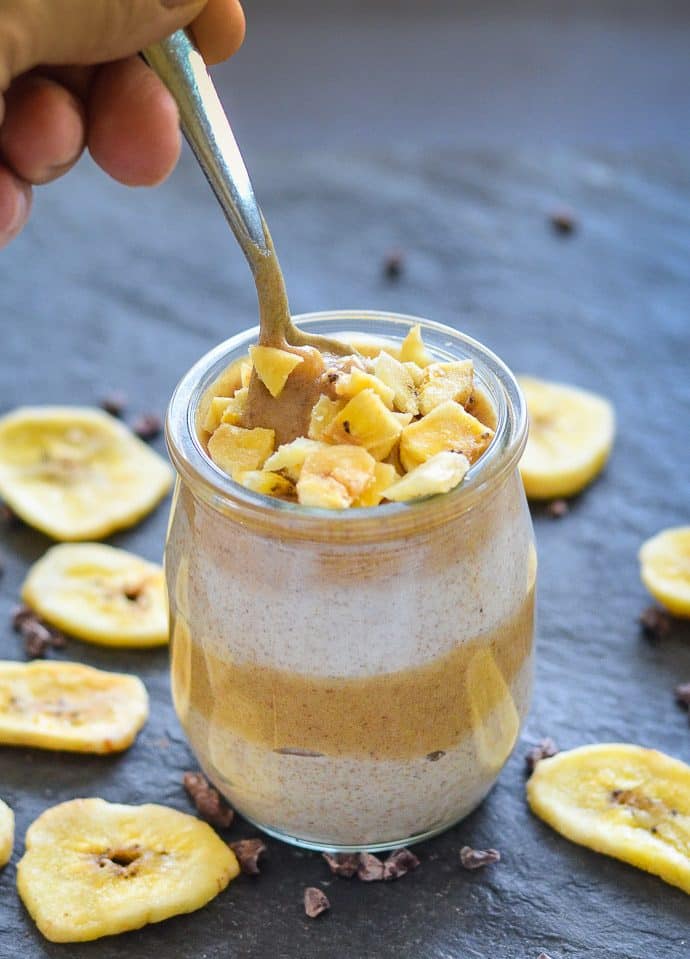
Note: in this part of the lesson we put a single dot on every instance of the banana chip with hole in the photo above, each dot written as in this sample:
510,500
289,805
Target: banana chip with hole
77,473
621,800
93,868
100,594
55,705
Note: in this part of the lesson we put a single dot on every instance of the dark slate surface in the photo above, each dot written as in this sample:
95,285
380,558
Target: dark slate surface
116,289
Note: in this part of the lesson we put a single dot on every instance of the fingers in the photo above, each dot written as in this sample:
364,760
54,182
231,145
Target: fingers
42,134
133,131
131,118
219,30
15,205
83,31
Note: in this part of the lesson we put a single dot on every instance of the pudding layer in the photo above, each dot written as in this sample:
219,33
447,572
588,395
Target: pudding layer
405,714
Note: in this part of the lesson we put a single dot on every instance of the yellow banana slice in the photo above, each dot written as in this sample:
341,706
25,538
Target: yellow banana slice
6,833
93,868
622,800
273,366
571,433
68,706
235,449
76,473
412,348
100,594
266,482
335,476
665,568
439,474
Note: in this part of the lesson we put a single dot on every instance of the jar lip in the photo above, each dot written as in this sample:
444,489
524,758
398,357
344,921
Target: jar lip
218,490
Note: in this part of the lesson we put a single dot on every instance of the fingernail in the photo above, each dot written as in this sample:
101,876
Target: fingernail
20,213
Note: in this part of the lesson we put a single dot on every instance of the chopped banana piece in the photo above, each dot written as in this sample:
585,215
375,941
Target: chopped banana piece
216,408
273,366
100,594
235,449
290,456
225,385
77,473
236,408
365,421
446,381
394,459
665,569
439,474
93,868
384,476
481,407
416,372
397,376
323,413
446,427
263,481
403,418
55,705
350,384
6,833
335,476
412,349
571,433
621,800
245,373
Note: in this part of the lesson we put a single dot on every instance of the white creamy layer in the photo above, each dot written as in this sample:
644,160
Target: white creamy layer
350,611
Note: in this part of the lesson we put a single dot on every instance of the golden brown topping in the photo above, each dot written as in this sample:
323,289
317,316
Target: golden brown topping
401,414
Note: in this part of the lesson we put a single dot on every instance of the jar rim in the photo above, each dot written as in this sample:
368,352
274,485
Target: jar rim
292,520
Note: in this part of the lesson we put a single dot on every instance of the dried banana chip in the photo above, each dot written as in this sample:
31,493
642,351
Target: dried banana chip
100,594
335,476
665,568
439,474
273,366
93,868
68,706
571,434
412,349
6,833
76,473
447,427
622,800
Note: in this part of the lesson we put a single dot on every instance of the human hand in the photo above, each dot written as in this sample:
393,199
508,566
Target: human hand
70,79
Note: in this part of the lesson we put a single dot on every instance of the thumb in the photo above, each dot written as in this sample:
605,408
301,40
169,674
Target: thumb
66,32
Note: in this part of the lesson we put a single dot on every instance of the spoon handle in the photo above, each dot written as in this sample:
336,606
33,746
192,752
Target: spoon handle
181,67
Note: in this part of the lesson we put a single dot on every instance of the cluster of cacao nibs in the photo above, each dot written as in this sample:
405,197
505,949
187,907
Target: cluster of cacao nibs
366,866
147,426
39,638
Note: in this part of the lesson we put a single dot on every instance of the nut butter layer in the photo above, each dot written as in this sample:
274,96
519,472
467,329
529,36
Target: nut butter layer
400,715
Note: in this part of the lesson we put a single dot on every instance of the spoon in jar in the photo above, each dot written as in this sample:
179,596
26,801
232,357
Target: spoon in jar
206,128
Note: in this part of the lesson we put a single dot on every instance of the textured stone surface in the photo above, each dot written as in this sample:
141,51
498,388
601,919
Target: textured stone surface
116,290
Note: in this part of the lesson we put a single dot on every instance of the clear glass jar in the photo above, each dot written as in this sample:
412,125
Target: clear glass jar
357,679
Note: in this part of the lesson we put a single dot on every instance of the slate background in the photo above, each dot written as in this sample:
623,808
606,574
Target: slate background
109,289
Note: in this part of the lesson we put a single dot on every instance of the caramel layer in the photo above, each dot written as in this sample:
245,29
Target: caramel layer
400,715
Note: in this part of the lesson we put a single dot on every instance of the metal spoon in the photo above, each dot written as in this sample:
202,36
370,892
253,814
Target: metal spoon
181,67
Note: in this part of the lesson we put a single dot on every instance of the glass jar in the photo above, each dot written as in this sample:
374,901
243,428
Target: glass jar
352,679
